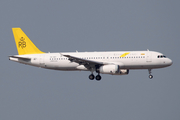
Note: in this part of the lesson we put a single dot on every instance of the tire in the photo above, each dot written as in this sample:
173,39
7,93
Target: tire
98,77
150,76
91,77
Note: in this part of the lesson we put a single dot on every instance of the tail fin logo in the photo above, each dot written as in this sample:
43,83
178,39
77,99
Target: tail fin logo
22,43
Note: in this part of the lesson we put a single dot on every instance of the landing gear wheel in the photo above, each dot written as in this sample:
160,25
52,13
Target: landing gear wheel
150,76
98,77
91,77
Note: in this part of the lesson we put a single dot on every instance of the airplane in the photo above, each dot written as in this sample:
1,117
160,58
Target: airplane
111,62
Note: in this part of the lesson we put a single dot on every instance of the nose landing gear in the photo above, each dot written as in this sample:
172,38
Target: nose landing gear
150,76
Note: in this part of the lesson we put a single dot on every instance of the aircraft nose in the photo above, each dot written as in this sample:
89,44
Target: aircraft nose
170,62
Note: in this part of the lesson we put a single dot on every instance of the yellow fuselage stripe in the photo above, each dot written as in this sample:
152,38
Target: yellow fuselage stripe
124,55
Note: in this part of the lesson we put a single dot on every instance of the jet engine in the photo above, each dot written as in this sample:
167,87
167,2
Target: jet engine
113,70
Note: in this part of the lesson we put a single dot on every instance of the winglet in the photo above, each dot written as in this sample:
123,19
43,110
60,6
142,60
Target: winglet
23,43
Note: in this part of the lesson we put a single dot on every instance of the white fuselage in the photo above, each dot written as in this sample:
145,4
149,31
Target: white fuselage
133,60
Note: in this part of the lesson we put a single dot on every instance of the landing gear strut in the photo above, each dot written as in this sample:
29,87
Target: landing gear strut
91,76
150,76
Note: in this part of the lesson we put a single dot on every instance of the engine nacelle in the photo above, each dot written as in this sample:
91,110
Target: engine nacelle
113,70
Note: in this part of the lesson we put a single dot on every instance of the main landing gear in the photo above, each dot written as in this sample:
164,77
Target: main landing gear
98,77
91,77
150,76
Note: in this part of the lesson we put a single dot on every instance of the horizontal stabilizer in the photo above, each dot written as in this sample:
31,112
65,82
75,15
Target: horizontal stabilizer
20,58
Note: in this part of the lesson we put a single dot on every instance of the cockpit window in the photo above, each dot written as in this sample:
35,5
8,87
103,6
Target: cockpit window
161,56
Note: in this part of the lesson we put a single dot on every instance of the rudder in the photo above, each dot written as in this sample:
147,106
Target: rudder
23,43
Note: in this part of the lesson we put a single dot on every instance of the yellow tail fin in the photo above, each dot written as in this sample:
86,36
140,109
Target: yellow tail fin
23,43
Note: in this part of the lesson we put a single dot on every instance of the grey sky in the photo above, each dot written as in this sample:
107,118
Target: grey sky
30,93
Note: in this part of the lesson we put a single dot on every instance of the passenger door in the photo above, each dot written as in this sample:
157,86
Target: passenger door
148,57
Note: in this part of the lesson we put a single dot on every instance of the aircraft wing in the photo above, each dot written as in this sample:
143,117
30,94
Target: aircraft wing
87,63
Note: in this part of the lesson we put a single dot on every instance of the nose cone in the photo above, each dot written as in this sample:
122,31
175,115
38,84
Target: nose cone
169,62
